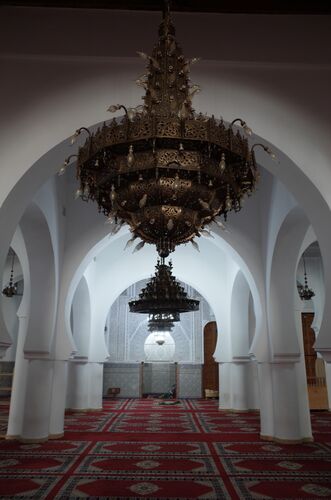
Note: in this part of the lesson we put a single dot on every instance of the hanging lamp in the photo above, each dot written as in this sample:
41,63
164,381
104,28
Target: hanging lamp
304,291
164,299
11,289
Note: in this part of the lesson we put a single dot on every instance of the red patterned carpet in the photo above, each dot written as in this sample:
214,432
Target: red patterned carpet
135,449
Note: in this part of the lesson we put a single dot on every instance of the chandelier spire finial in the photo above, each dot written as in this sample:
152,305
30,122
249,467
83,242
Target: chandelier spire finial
166,9
167,84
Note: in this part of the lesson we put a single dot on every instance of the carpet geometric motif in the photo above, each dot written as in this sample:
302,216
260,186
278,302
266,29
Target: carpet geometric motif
30,464
132,448
262,466
282,488
148,464
316,489
321,424
136,449
269,450
144,488
158,465
204,404
83,422
4,410
110,404
24,486
57,446
229,422
157,404
3,425
115,487
183,422
292,465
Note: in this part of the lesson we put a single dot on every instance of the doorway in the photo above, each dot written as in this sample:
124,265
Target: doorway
210,378
315,368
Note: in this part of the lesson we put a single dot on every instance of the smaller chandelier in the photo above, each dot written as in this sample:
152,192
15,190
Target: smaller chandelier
162,322
11,289
305,292
163,298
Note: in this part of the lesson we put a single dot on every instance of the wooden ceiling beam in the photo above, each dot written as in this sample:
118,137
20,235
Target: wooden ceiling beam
295,7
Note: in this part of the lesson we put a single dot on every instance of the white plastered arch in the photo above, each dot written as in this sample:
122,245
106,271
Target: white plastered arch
15,201
81,318
41,272
240,317
282,289
18,246
319,300
120,270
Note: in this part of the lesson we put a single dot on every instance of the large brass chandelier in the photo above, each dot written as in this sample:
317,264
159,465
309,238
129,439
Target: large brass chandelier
165,170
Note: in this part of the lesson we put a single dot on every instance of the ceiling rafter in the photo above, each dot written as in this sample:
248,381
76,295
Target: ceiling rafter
295,7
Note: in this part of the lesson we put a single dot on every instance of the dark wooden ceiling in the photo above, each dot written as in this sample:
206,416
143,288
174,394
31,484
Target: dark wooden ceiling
307,7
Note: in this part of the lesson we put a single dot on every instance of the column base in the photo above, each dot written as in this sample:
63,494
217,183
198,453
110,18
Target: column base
12,437
84,410
56,436
33,440
233,410
286,441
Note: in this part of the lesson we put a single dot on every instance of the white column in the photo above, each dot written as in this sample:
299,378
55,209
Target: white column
284,409
17,401
85,385
244,386
37,406
58,400
225,398
38,395
95,385
328,381
266,399
325,352
238,385
78,385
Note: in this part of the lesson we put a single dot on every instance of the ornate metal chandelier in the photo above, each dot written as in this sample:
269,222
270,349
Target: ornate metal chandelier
165,170
163,298
161,322
11,289
304,291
